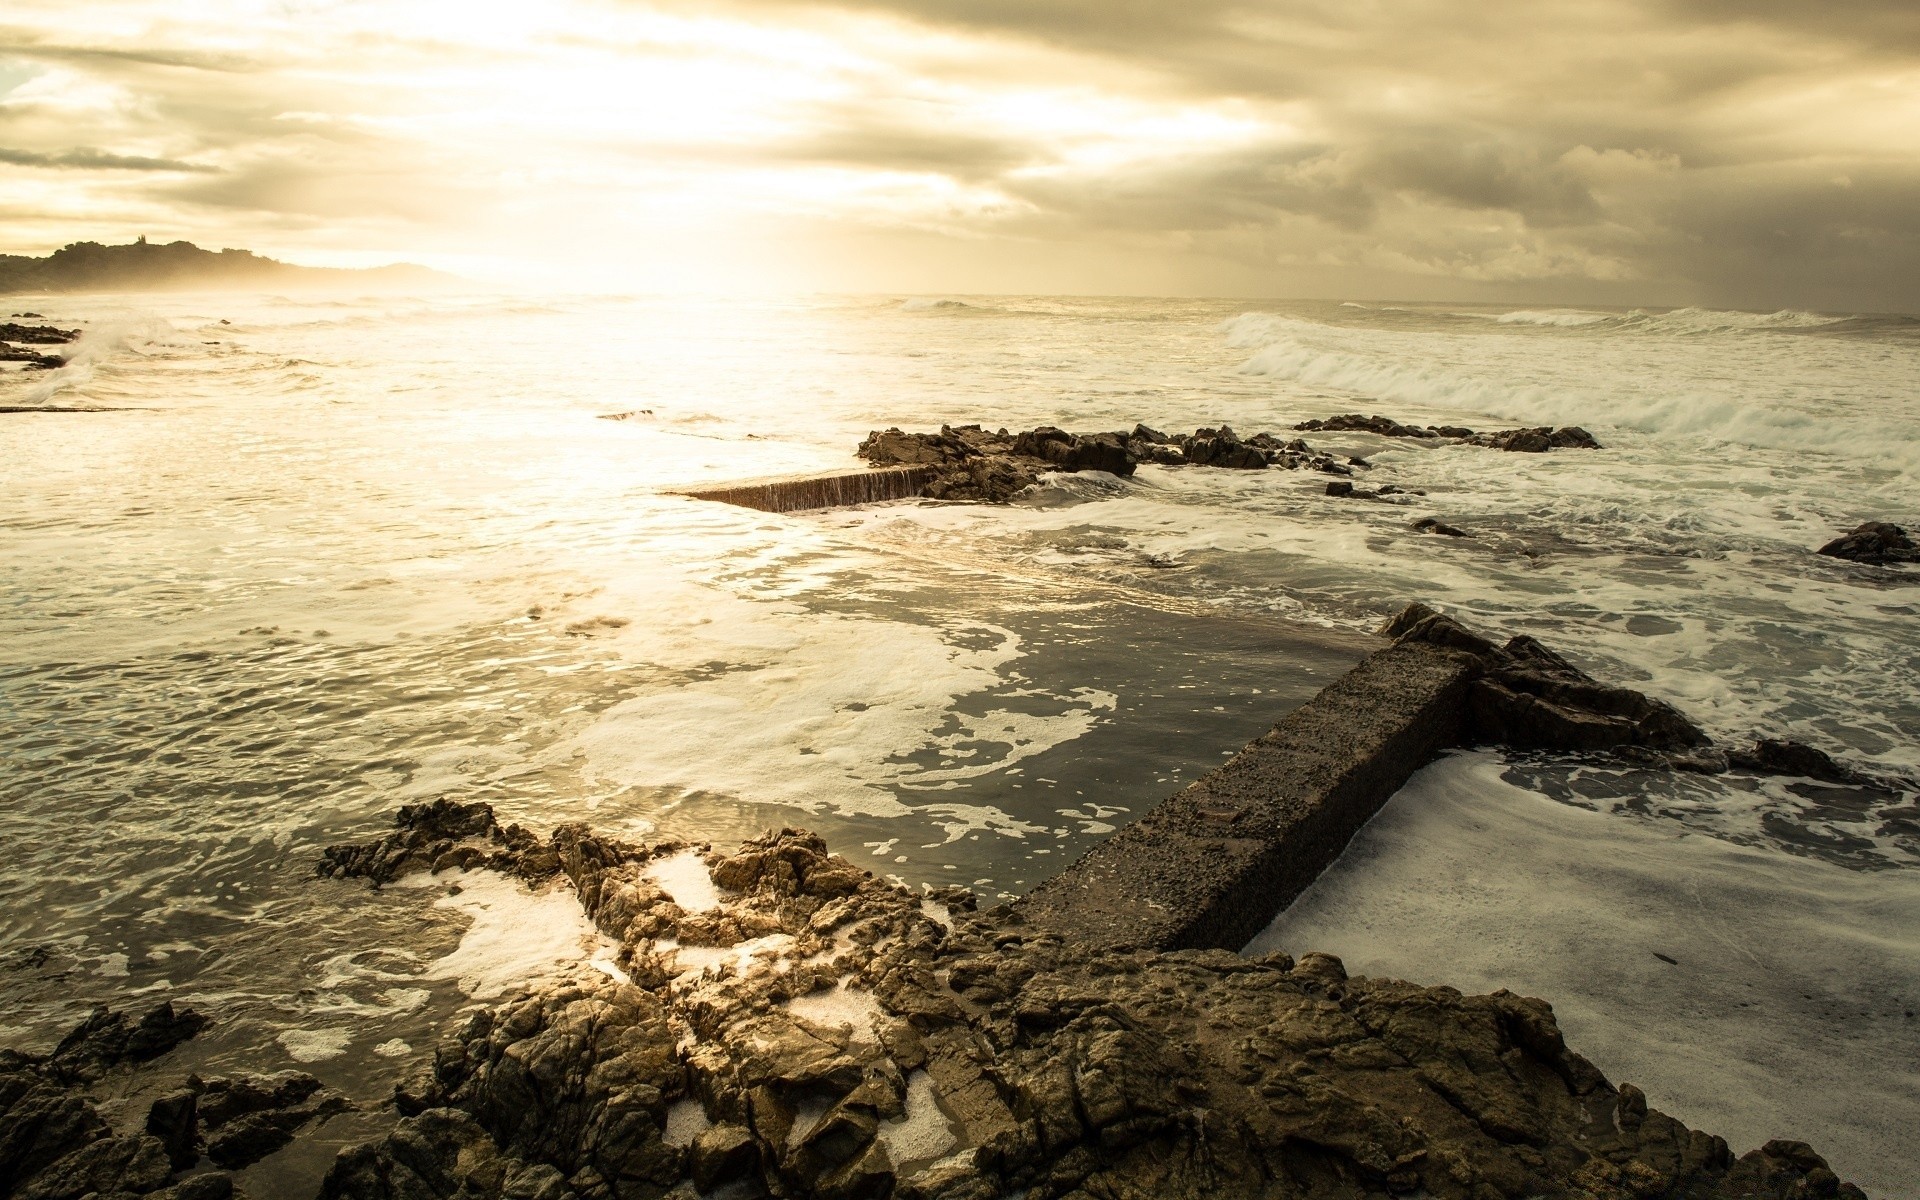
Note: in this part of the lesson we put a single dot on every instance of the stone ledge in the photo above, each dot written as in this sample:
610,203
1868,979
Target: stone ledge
1213,864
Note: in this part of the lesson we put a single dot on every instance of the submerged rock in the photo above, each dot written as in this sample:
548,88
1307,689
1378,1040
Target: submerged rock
822,1033
1874,542
1534,441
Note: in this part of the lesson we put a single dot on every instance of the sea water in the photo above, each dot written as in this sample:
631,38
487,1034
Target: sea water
315,559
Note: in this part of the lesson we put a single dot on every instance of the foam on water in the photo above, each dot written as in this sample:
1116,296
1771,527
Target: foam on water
924,1133
686,881
517,937
1652,374
1788,1009
833,713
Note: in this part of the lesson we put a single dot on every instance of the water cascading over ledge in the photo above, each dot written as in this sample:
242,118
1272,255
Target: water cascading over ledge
794,493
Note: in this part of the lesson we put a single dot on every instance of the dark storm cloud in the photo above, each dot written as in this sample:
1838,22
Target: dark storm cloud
98,160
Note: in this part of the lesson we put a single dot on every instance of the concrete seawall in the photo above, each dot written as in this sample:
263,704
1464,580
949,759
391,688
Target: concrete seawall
1214,863
796,493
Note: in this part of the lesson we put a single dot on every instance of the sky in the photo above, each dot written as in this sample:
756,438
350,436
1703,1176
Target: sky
1747,153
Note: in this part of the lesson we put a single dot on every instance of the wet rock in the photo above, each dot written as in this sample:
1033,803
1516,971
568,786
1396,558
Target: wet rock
1070,1071
36,335
1775,756
892,447
54,1145
433,837
1530,698
247,1117
1874,542
34,359
1537,440
1434,525
107,1039
174,1121
1220,448
1384,426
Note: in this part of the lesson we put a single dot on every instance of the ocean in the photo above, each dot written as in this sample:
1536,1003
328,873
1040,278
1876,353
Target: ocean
323,557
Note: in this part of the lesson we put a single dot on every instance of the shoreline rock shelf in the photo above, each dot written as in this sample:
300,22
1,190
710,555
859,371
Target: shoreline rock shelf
972,463
789,1025
33,335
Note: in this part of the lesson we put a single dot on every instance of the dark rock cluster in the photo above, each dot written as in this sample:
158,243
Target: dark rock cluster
55,1145
1536,440
15,340
976,464
1528,697
855,1040
1874,542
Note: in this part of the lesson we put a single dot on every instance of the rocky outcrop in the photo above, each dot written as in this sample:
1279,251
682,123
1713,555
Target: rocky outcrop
55,1145
37,335
1527,697
1874,542
434,837
971,463
822,1033
1535,440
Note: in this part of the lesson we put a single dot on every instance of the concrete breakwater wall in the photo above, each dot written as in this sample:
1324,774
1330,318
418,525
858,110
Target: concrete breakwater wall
796,493
1213,864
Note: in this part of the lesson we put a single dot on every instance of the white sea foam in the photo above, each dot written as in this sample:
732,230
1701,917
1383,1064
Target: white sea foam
517,935
1650,385
1557,317
686,881
315,1045
924,1133
823,712
1786,1012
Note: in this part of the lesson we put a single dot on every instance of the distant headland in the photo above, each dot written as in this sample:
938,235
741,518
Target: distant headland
152,266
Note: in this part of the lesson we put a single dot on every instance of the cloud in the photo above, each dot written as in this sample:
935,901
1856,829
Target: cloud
1638,150
98,160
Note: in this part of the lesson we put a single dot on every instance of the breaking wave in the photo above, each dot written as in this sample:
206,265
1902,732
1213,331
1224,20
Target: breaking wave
1459,372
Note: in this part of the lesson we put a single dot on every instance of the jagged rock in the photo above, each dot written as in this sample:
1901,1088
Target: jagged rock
174,1120
1874,542
106,1039
892,447
1534,441
54,1145
247,1117
722,1154
36,335
1530,698
1220,448
1384,426
1537,440
1056,1069
435,837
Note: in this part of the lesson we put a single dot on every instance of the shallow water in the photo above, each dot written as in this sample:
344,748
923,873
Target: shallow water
332,557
